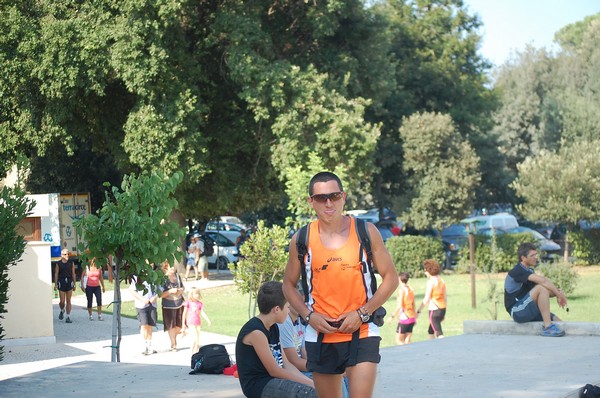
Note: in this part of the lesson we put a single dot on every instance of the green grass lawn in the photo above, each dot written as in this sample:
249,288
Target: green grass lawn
228,309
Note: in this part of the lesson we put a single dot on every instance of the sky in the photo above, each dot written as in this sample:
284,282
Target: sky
510,25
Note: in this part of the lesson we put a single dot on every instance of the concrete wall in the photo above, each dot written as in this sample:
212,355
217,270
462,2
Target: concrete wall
28,319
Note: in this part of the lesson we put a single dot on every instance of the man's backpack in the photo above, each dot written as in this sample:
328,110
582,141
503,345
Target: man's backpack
368,271
209,249
211,359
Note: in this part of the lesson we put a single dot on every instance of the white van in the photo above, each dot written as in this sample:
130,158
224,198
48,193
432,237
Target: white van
496,221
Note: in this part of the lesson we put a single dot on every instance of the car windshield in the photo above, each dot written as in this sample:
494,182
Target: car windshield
220,240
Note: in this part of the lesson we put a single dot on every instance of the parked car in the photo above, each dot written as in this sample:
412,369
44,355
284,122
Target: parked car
224,249
498,221
223,226
385,232
373,216
548,247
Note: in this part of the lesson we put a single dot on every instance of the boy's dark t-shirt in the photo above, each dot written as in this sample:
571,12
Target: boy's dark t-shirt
252,373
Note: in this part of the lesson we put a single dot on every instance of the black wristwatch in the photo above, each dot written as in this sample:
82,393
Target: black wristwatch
307,319
364,316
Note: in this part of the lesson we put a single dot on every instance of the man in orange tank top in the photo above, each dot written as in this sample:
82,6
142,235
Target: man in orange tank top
340,299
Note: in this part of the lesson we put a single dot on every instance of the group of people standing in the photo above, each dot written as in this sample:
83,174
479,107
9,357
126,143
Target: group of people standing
326,343
179,313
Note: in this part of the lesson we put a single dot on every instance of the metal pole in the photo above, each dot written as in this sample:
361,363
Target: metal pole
472,268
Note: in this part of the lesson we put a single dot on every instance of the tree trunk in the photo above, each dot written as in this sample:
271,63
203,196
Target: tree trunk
566,253
116,324
179,263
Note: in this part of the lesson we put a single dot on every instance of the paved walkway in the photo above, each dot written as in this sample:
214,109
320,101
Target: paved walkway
470,365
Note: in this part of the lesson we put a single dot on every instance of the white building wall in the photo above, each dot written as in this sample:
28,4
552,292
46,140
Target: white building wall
28,319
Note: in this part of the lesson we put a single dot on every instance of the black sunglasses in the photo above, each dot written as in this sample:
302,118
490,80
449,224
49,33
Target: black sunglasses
323,197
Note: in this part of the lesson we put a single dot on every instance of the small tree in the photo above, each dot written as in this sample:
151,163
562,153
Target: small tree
14,206
133,226
444,170
562,187
264,259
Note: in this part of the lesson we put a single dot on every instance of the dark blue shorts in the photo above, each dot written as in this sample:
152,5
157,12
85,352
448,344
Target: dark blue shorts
526,310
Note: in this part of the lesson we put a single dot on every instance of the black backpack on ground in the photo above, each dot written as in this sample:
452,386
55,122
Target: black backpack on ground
211,359
589,390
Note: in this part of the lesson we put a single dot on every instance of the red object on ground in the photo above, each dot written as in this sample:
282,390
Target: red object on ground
230,371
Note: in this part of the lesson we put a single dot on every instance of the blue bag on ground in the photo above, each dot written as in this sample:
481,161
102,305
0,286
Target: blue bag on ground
211,359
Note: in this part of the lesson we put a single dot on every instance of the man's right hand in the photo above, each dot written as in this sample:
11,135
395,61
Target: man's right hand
319,322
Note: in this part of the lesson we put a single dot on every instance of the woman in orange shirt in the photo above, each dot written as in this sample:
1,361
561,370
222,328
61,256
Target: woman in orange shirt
435,297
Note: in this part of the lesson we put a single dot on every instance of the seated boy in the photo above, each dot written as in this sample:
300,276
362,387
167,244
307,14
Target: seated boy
263,368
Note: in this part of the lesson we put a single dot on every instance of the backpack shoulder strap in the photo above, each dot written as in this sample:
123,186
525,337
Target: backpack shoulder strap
364,237
302,248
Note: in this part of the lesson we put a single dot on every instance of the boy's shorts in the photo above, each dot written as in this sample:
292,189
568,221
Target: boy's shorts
333,357
147,316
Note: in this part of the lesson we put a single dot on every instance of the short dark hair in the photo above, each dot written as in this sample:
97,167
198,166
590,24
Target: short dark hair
323,176
404,277
432,266
524,249
270,295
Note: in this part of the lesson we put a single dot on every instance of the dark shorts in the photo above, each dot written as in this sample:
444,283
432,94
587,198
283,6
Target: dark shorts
333,357
172,318
405,327
147,316
65,284
526,310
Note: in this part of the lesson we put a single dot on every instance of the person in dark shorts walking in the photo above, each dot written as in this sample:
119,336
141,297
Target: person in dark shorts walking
64,282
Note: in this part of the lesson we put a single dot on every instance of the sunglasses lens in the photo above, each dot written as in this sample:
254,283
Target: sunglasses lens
322,198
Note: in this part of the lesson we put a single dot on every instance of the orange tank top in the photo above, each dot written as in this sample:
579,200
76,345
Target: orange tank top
438,293
408,302
337,281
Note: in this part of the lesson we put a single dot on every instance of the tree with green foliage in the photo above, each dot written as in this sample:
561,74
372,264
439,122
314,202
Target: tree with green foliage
236,95
561,187
525,123
443,170
263,258
14,207
134,226
437,68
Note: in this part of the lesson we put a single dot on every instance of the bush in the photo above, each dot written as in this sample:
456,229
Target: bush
408,252
561,274
15,206
586,246
505,255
